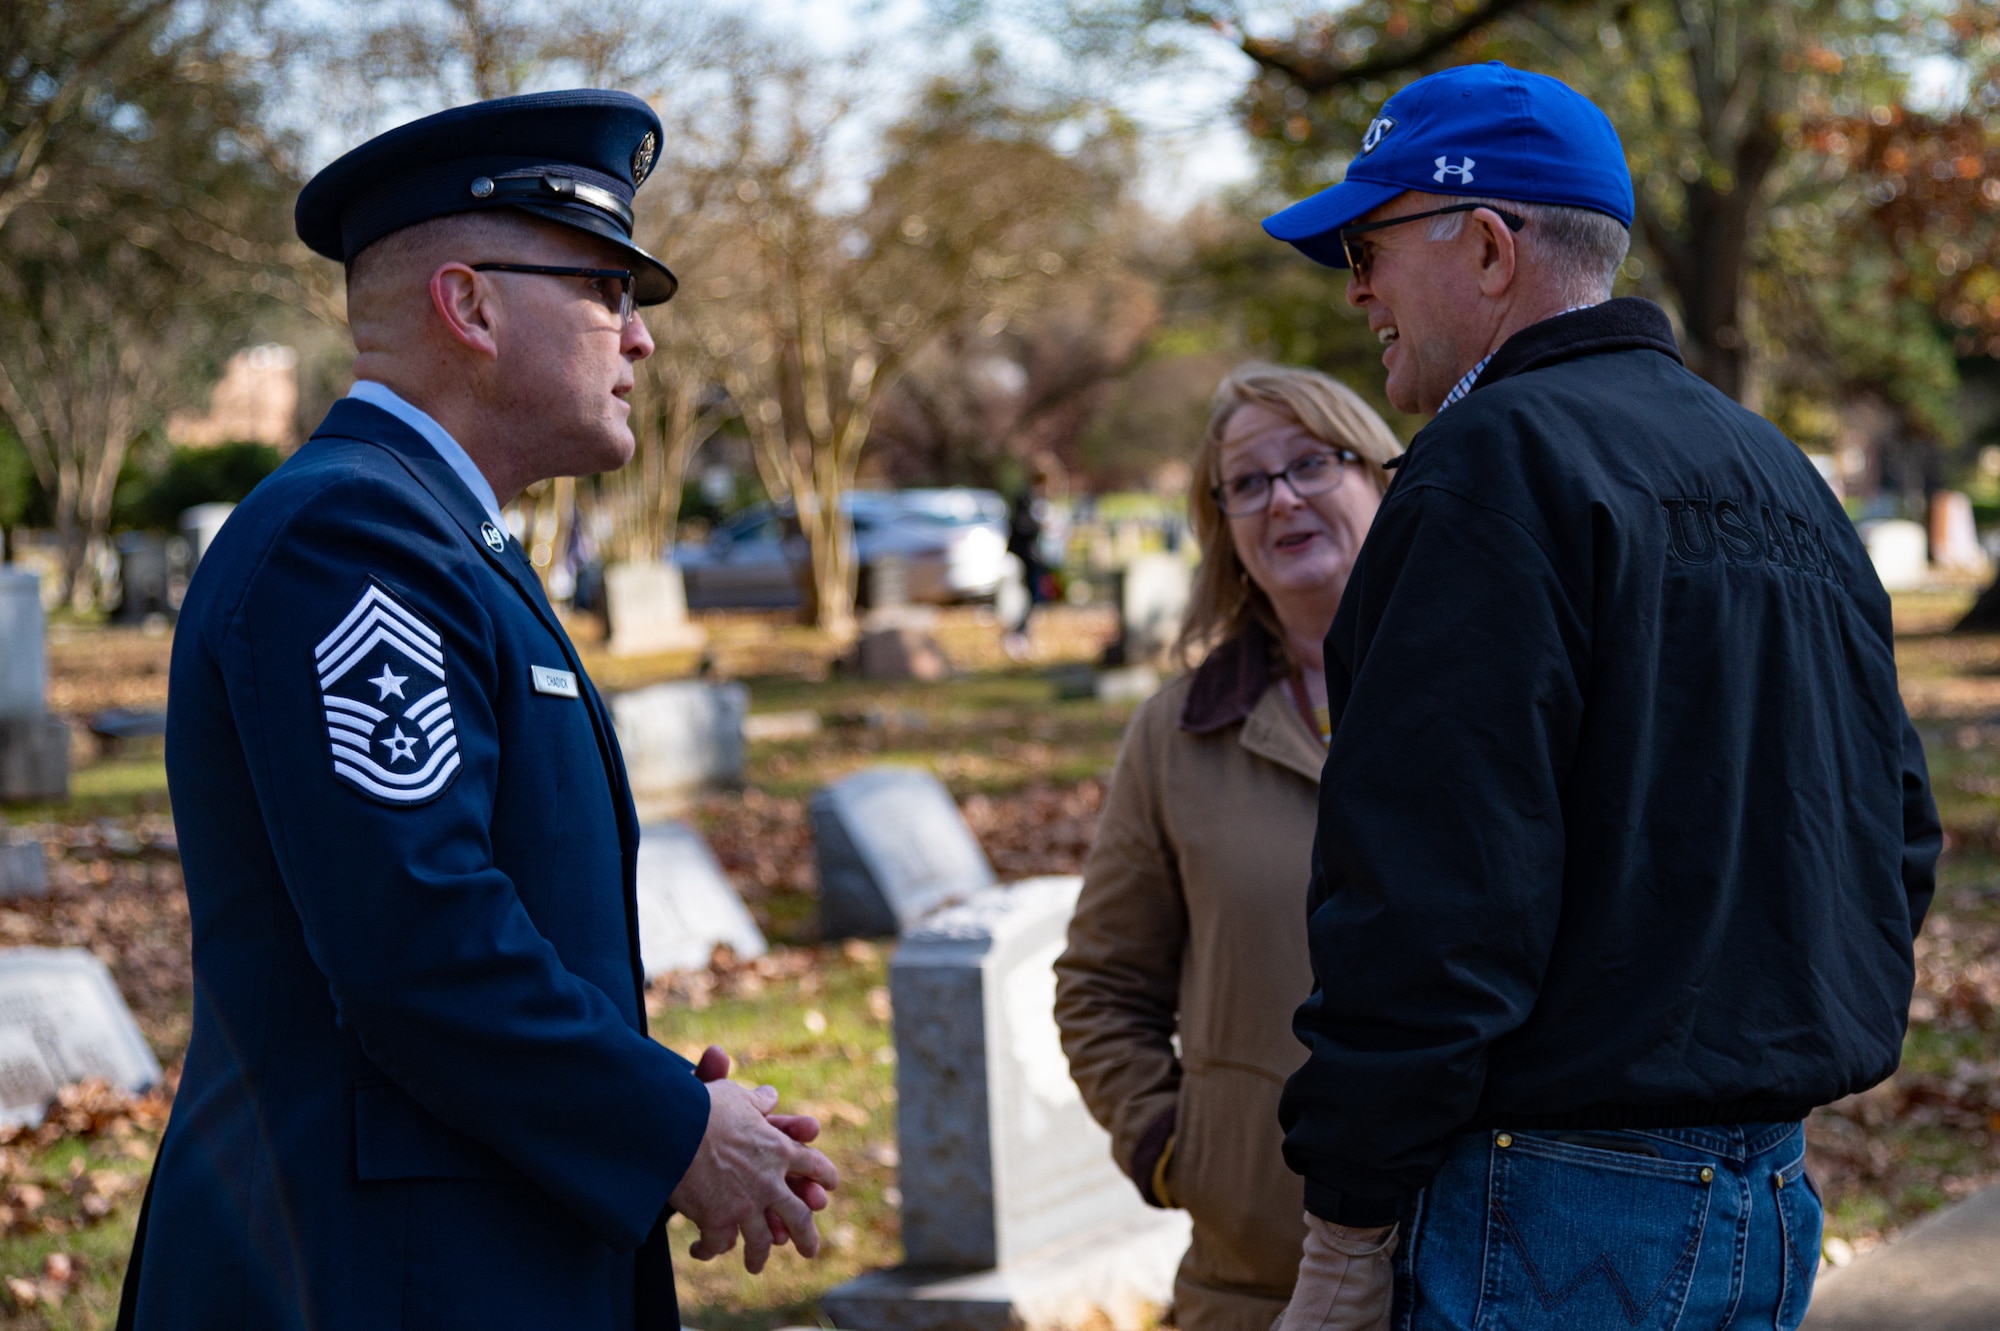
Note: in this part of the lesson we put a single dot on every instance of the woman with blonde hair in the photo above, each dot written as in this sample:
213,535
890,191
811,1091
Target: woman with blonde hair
1187,953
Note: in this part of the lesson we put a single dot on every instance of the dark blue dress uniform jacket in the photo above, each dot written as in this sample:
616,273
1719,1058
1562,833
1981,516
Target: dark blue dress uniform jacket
420,1092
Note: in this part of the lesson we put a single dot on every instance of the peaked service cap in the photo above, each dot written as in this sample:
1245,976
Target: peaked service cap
1487,131
575,157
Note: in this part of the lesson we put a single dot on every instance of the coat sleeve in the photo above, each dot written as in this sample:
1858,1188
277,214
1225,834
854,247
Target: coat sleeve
1118,981
1923,836
1440,844
429,954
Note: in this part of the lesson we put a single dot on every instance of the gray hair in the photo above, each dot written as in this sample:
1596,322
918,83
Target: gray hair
1578,249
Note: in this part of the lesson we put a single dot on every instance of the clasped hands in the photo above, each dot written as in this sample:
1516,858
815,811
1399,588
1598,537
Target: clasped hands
754,1174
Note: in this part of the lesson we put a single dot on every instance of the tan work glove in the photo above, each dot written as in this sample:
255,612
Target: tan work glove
1346,1280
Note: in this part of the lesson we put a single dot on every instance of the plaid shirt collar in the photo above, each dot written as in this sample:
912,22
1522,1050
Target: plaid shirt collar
1471,376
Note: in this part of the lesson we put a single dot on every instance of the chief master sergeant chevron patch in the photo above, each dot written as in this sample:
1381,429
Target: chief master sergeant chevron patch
388,715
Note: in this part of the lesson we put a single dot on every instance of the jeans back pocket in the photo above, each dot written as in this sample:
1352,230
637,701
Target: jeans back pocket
1800,1217
1588,1238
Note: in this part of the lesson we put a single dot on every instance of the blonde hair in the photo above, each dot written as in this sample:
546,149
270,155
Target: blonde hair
1224,601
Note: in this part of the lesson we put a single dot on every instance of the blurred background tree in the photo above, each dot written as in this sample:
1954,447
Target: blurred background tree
130,257
973,216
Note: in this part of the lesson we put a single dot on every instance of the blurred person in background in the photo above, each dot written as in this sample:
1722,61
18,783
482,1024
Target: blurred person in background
1188,924
1024,542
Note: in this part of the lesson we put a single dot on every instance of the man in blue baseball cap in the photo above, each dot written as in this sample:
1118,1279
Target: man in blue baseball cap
1624,834
420,1091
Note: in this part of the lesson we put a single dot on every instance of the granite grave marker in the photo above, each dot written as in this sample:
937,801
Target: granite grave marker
679,738
61,1021
34,746
646,604
686,904
1153,595
1006,1180
891,847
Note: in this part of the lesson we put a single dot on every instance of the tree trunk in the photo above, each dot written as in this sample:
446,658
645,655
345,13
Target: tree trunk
1707,264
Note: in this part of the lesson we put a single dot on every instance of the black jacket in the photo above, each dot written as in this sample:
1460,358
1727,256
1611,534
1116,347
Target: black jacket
1623,822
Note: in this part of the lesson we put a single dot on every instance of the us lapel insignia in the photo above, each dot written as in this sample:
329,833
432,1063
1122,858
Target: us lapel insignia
388,714
495,541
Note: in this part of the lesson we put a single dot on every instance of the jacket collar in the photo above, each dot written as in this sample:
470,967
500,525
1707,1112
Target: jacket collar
1625,324
1228,684
1243,681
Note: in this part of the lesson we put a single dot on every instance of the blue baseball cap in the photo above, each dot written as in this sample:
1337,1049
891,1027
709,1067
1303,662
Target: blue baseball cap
1486,131
576,158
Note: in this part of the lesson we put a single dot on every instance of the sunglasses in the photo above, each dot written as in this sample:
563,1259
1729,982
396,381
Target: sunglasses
1361,255
613,286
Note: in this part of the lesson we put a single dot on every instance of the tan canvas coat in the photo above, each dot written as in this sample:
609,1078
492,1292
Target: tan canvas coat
1192,923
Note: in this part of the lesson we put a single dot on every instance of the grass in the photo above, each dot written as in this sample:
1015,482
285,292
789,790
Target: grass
822,1038
988,734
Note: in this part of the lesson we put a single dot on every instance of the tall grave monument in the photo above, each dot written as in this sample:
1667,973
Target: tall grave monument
34,746
1014,1215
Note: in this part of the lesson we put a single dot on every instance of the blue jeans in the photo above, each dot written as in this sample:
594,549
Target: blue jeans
1706,1229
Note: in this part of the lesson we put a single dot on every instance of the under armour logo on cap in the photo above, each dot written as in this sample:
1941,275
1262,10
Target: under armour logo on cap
491,535
1444,168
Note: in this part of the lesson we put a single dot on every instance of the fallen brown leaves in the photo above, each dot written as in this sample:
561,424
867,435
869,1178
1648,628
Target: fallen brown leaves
1040,830
115,890
40,1196
727,977
93,670
763,842
59,1269
1931,1133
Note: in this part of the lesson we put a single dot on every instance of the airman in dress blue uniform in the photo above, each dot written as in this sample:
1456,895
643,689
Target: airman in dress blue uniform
420,1090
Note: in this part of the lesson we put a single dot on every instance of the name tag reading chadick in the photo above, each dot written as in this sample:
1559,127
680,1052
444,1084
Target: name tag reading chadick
555,683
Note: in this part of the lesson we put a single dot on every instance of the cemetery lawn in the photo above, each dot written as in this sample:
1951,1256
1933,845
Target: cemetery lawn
1027,760
815,1024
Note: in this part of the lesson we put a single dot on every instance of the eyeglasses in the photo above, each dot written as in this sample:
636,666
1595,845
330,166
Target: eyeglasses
612,285
1313,473
1361,256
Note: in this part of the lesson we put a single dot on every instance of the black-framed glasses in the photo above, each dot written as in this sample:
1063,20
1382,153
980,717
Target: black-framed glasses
1361,256
612,285
1312,473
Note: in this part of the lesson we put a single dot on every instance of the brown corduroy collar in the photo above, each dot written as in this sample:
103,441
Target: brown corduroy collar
1228,685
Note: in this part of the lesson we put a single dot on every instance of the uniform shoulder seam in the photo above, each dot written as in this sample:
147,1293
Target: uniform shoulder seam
349,475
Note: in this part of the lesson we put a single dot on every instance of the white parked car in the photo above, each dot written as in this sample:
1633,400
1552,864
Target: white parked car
952,544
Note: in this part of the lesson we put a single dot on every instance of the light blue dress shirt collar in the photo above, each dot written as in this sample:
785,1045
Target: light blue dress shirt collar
381,395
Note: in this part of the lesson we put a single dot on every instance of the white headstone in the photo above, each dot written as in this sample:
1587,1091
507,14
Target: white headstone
680,737
1900,551
62,1021
686,904
891,847
646,602
1152,599
24,661
199,526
